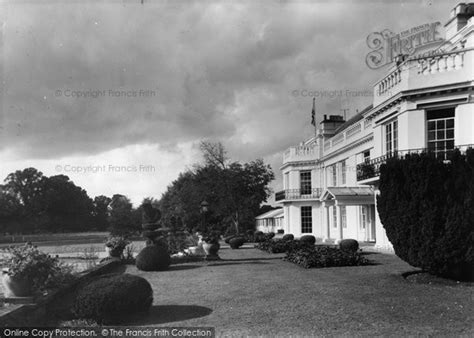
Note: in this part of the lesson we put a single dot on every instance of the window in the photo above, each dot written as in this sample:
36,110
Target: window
306,220
366,156
363,217
343,172
334,217
391,137
343,216
334,175
305,182
440,129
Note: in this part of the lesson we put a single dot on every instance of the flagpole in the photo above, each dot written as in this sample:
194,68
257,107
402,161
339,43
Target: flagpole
313,118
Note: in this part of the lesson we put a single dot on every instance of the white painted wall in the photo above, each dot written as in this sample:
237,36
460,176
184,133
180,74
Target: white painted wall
464,124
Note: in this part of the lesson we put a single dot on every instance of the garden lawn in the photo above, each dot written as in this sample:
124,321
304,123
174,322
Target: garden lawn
254,293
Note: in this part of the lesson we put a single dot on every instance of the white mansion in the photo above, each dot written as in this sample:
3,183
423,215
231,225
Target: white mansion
423,102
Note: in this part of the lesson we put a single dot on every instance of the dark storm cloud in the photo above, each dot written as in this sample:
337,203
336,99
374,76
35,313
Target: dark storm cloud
198,70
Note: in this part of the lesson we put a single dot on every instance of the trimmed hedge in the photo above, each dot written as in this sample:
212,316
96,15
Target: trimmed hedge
288,237
310,239
110,298
153,258
427,209
281,246
350,245
236,242
323,256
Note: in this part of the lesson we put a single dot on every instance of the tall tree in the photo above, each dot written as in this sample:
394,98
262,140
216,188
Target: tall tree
67,206
234,190
121,217
100,212
27,186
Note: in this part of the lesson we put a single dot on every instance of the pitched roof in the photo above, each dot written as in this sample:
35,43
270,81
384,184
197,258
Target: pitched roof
357,117
271,214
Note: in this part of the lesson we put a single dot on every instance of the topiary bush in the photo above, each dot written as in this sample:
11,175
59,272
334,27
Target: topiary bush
427,209
323,256
258,237
350,245
310,239
228,238
153,258
110,298
288,237
236,242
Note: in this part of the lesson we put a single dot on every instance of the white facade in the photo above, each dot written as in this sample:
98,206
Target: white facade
271,221
427,103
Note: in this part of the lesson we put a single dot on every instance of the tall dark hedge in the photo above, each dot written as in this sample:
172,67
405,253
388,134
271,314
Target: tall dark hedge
427,209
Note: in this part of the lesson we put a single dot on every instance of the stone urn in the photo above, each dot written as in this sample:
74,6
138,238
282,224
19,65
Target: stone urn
14,287
211,248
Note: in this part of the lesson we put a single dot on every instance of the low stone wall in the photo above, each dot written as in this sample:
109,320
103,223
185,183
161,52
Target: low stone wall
40,313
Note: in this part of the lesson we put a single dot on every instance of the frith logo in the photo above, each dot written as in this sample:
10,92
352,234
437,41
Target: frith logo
386,45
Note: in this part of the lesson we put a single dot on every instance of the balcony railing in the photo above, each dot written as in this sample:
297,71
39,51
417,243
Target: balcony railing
296,194
371,168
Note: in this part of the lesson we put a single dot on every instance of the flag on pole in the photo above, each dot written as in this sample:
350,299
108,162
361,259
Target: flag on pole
313,113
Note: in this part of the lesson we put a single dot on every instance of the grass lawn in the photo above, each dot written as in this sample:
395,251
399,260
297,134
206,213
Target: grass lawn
251,292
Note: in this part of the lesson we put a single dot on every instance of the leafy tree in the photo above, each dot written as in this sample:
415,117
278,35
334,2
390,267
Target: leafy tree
27,186
67,206
100,212
233,190
121,218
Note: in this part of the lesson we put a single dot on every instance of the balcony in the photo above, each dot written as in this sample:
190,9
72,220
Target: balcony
371,169
300,153
450,67
298,194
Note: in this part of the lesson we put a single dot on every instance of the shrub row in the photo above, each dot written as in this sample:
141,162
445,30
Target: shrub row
323,256
281,245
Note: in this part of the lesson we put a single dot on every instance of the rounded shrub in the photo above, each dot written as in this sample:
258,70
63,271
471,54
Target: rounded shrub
236,242
228,238
426,207
308,239
269,235
153,258
288,237
350,245
258,236
110,298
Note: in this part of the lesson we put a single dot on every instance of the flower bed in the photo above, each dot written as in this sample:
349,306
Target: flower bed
323,256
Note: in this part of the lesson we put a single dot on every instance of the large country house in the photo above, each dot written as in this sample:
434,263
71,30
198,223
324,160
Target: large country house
423,102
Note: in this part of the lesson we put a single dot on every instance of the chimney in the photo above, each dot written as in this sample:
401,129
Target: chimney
329,125
458,19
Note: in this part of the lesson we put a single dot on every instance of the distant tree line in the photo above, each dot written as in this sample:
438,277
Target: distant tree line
32,202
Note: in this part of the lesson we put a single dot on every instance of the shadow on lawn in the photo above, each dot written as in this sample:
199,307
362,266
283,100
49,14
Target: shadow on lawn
251,259
161,314
182,267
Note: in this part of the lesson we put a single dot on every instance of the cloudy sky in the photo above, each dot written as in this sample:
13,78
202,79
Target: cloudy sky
117,94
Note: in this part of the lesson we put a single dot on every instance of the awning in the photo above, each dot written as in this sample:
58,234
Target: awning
361,195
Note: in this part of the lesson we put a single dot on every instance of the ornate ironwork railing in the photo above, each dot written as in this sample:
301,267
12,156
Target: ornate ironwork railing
371,168
295,194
